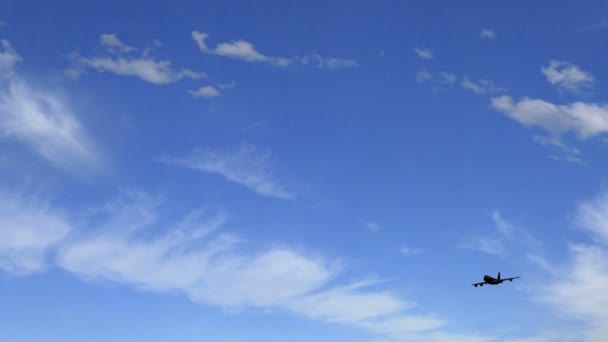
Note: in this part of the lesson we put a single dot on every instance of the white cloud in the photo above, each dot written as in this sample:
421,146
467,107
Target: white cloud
483,87
487,34
112,42
8,58
240,49
190,257
405,250
567,75
207,92
245,51
144,67
424,53
584,119
28,229
249,166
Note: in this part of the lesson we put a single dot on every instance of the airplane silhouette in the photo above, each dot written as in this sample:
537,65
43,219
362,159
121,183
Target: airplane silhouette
493,281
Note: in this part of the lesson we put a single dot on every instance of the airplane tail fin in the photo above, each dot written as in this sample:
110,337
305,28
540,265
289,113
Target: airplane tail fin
498,276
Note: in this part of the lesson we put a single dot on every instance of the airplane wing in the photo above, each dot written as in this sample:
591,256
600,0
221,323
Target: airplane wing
479,284
510,279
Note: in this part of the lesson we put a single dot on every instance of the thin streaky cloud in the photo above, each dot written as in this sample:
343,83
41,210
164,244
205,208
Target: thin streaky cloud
230,85
502,239
245,51
599,25
570,154
373,227
482,87
409,251
8,59
329,63
250,166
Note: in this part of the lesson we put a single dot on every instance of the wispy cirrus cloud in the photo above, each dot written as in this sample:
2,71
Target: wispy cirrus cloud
579,290
502,238
447,79
144,67
8,58
249,166
245,51
569,154
28,229
566,75
41,120
126,242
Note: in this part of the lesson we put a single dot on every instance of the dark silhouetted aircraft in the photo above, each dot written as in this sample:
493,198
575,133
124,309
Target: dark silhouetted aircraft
493,281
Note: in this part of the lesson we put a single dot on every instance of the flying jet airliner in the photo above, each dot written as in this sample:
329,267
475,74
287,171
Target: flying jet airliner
493,281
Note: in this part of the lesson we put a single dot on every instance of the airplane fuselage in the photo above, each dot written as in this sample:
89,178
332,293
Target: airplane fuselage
491,280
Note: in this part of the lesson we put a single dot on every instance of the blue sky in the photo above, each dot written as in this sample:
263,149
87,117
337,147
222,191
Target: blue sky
303,171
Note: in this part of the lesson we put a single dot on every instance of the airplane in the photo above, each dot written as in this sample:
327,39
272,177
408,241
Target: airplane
493,281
